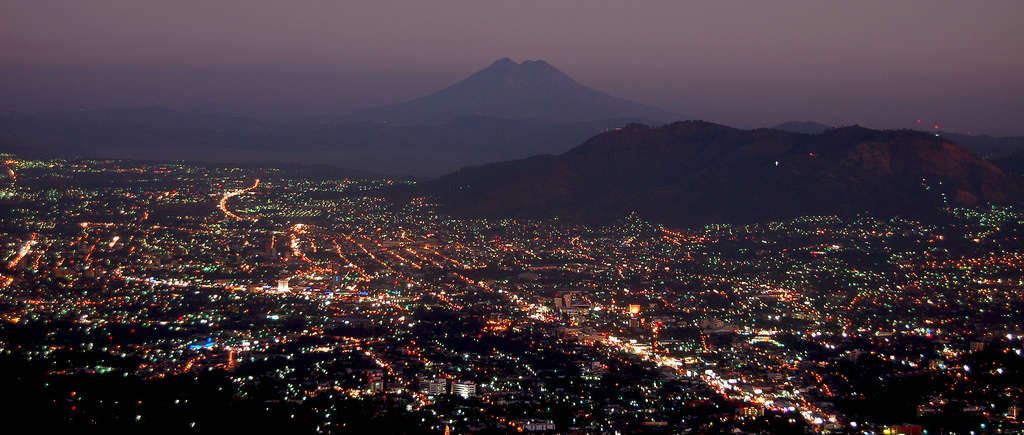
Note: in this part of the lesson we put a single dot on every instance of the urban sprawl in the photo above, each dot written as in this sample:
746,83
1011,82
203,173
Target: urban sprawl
196,297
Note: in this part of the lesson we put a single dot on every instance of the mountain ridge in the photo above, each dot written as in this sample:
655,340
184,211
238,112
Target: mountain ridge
988,147
695,173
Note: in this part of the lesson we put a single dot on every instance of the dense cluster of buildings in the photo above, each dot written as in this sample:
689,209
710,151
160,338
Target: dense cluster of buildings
320,301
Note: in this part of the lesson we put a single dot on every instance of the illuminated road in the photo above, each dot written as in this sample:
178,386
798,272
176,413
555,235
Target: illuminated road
224,200
25,249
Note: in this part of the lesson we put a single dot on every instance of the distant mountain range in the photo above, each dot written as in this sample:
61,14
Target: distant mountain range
987,146
503,112
510,90
695,173
806,127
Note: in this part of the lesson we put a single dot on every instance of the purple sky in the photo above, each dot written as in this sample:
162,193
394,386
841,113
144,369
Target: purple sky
958,64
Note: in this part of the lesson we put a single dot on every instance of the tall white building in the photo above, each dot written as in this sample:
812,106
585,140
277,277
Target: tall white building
466,389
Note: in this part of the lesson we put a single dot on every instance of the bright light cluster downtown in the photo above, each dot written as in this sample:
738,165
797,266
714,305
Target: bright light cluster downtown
326,306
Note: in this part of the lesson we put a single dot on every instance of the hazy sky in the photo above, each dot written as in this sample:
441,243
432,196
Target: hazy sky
958,64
